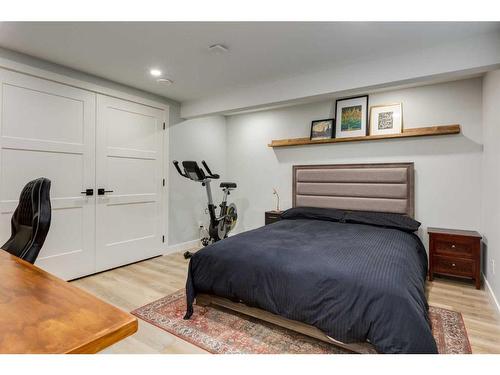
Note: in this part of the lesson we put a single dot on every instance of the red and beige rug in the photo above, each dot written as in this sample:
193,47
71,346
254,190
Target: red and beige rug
221,331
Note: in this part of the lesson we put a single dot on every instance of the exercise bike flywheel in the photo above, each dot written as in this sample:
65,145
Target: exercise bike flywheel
232,217
226,225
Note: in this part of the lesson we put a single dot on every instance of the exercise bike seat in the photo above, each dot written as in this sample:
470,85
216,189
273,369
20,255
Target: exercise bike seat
229,185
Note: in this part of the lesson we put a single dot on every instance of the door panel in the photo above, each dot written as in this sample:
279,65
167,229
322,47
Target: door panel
48,129
120,169
129,220
22,106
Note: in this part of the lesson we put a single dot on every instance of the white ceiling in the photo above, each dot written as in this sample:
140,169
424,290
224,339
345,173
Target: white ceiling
258,52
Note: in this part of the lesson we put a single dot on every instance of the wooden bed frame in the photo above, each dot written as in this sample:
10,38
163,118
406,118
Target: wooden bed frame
293,325
344,186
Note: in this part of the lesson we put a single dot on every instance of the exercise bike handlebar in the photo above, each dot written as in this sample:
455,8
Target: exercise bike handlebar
209,172
194,172
176,164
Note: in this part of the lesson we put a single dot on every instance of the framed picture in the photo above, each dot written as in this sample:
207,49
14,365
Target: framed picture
351,117
386,119
322,129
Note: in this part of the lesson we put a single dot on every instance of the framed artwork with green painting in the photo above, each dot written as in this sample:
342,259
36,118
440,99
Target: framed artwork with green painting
351,116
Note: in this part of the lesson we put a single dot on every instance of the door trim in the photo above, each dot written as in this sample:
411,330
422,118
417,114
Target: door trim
166,167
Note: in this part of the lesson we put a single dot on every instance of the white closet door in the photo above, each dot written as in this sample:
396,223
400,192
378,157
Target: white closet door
129,220
48,129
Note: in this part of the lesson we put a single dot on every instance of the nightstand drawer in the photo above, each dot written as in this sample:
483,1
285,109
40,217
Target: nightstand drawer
455,246
272,216
452,266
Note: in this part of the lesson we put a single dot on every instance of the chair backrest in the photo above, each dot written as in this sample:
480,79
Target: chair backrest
31,221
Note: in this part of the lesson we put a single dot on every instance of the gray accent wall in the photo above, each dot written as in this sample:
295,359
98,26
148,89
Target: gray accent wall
447,168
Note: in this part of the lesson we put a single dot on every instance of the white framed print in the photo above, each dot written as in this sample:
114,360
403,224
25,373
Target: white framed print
386,119
351,117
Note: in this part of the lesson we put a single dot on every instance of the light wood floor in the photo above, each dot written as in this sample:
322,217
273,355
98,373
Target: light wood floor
136,285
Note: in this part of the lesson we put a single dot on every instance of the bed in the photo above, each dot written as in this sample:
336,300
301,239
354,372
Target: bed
343,265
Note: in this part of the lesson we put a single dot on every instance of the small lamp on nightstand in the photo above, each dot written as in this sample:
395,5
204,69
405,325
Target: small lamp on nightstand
273,216
275,192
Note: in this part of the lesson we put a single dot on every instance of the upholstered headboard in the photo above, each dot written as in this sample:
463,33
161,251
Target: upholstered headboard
384,187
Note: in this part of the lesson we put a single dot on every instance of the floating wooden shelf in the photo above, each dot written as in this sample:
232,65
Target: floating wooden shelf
412,132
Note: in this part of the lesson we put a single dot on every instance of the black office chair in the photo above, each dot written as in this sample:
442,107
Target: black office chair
31,221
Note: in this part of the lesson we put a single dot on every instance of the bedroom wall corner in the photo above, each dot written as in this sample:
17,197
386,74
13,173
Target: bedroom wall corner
490,208
196,139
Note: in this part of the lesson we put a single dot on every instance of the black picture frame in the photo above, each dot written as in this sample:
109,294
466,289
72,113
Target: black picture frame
332,129
367,118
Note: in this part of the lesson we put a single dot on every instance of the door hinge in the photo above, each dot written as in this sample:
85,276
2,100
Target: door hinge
163,126
163,182
163,239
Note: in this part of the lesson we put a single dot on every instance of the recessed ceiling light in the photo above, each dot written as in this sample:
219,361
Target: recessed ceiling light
155,72
218,49
165,81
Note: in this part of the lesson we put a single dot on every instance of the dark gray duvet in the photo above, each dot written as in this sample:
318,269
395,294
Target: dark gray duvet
354,282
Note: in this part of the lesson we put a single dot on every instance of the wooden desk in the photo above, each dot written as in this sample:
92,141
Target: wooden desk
40,313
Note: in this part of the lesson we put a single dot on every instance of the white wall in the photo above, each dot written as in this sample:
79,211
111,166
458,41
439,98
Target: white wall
448,168
197,139
490,215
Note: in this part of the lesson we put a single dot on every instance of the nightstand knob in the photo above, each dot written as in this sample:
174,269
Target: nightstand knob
453,265
453,246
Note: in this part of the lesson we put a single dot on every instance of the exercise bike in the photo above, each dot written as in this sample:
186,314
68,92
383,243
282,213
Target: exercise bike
221,225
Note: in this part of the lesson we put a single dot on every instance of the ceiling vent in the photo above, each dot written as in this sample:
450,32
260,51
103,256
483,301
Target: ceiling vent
218,49
165,81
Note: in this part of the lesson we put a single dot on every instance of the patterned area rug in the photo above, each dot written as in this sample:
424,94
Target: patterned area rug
221,331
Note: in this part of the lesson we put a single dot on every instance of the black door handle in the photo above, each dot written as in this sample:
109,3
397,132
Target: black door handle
88,192
101,191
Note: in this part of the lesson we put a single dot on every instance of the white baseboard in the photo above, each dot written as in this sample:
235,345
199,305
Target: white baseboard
493,297
183,246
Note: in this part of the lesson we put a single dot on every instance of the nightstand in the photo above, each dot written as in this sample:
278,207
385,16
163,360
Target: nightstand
455,253
272,216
